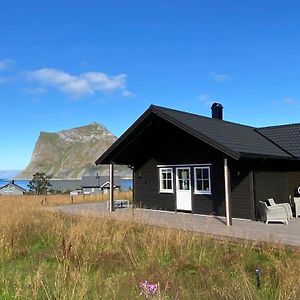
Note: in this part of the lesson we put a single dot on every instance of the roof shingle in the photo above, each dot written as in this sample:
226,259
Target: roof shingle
285,136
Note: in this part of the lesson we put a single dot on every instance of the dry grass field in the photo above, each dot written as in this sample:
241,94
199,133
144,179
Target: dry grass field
49,256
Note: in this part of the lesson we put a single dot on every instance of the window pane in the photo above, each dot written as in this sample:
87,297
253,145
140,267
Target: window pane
180,183
166,179
206,185
185,174
202,179
205,173
164,184
199,185
198,174
169,184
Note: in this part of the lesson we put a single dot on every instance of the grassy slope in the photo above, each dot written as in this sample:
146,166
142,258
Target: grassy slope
48,256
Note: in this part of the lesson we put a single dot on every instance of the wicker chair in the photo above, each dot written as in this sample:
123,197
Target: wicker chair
286,206
297,206
272,213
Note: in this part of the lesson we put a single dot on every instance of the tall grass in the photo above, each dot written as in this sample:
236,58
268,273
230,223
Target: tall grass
50,256
48,200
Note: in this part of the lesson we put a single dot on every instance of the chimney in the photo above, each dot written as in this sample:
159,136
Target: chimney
217,111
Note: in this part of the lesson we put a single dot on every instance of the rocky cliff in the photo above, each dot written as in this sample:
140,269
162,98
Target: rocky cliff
71,153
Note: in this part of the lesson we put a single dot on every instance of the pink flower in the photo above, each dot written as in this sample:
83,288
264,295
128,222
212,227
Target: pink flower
148,289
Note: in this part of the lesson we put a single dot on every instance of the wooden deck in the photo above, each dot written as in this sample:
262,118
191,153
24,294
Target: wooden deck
216,226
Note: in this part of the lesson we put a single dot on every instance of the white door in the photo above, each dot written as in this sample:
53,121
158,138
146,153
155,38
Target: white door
183,189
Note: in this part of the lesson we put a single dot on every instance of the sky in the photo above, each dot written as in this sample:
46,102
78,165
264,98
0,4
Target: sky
65,64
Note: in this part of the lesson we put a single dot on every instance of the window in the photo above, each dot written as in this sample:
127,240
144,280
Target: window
166,180
202,180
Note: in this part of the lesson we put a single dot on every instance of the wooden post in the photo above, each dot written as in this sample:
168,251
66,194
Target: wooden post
111,188
227,193
252,195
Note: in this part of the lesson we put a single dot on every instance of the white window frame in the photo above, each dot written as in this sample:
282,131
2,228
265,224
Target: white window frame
161,189
202,192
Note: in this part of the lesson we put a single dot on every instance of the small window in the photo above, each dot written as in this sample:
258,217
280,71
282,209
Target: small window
202,180
166,180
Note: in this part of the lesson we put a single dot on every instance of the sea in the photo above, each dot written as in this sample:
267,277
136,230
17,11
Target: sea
126,184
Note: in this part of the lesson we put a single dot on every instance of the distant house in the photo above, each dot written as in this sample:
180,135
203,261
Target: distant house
64,185
12,189
186,162
98,184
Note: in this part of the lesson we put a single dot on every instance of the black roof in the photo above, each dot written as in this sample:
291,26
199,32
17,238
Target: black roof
234,140
65,184
285,136
15,185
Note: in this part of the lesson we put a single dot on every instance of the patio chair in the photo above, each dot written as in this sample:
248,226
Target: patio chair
297,206
272,213
286,206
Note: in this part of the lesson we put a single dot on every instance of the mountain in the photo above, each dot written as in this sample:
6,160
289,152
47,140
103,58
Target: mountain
8,174
71,153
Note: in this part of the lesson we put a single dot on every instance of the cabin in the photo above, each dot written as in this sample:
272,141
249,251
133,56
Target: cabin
206,165
98,184
12,189
65,185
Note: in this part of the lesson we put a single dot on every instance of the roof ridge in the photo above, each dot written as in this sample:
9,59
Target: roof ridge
282,125
201,116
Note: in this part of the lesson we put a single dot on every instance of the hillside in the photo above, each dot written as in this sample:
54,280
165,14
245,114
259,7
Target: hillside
71,153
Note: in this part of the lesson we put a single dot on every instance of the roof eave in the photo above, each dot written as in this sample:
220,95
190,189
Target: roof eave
264,156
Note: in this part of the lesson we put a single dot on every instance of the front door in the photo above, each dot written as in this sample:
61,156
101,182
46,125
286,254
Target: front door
183,189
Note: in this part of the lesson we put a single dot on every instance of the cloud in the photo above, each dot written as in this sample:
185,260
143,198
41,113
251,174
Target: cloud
6,64
127,93
219,77
78,85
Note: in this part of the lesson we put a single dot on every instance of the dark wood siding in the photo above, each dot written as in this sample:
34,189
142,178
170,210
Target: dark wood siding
146,187
271,184
293,182
172,146
214,203
146,179
240,190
